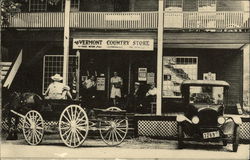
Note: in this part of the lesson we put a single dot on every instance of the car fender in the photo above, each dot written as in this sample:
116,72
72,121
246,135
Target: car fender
182,118
237,119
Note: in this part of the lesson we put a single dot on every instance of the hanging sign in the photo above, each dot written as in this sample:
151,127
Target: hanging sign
142,74
114,44
100,84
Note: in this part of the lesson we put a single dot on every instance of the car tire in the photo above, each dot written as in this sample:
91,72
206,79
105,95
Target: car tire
236,136
180,137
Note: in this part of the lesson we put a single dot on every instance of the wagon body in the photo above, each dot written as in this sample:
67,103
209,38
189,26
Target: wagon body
74,123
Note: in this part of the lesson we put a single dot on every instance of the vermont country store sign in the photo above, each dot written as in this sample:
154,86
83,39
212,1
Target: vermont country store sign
114,44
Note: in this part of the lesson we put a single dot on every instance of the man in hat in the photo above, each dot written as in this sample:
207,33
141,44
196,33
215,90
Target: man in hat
135,98
56,89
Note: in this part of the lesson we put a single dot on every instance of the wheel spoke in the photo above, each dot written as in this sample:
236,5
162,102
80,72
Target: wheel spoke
70,118
121,130
66,132
113,138
110,134
115,135
77,136
72,113
118,133
81,128
121,121
38,127
80,120
66,118
80,133
39,133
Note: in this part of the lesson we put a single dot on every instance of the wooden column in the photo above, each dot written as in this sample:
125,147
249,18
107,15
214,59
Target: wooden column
159,57
246,74
66,42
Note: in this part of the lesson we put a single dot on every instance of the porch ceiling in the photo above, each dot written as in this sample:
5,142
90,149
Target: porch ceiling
212,46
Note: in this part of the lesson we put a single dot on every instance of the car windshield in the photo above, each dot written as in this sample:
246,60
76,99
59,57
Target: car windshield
206,94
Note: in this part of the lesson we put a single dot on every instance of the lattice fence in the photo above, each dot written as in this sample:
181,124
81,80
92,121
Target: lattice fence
168,128
157,128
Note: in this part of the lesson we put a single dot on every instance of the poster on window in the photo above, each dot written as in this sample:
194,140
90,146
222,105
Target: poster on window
175,70
142,74
100,84
150,77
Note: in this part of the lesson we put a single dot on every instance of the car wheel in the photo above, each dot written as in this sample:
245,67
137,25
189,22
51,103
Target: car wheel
180,137
236,138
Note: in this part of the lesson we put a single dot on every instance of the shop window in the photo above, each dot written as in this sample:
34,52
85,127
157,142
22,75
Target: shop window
53,64
38,5
207,5
173,5
190,5
74,5
175,70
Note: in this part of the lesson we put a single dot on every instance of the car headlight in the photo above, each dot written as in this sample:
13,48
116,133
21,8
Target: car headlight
195,120
221,120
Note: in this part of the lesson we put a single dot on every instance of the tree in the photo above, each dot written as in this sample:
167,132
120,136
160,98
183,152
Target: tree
11,7
8,9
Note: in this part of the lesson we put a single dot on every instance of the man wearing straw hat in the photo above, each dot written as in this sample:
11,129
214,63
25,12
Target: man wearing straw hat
56,89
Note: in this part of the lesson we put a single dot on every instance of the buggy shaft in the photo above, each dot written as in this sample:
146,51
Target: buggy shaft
20,115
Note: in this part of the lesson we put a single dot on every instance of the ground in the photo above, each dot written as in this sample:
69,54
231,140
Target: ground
52,147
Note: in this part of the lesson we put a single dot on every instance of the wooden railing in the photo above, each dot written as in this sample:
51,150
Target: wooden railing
207,20
114,20
133,20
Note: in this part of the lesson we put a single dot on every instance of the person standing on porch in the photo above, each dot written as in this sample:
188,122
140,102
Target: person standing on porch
116,83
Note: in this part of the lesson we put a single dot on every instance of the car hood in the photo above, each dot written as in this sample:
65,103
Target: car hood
202,107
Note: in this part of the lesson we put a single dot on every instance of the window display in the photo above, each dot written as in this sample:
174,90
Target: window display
175,70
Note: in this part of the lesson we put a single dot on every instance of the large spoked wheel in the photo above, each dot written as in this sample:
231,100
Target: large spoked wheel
73,126
236,136
114,130
33,127
180,137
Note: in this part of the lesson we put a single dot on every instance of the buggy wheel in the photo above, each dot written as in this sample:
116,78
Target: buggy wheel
114,130
180,137
73,126
236,138
33,127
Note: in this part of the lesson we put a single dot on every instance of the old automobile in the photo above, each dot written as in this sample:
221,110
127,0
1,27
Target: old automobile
203,119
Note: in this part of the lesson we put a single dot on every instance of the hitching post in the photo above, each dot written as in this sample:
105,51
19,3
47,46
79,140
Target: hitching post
66,42
159,57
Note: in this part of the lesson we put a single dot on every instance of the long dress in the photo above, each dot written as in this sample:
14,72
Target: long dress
115,92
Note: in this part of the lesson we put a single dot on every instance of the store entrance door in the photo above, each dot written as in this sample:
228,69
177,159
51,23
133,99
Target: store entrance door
119,62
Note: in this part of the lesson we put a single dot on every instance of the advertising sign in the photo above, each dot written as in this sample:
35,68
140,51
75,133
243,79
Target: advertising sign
150,77
142,74
114,44
100,84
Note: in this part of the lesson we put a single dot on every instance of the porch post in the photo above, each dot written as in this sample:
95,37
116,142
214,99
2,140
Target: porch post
159,57
66,42
246,76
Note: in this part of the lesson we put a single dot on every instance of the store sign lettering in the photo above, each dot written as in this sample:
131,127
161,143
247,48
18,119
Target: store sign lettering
114,44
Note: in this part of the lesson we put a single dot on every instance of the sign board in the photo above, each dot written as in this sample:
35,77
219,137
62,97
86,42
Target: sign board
150,77
114,44
142,74
100,84
209,76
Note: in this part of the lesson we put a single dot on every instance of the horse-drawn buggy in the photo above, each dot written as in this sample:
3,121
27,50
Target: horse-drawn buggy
74,121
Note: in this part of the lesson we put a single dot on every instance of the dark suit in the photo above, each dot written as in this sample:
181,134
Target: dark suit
134,100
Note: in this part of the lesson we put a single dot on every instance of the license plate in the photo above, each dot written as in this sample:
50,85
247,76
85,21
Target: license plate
208,135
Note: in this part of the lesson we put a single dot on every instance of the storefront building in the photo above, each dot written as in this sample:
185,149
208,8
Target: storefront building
200,38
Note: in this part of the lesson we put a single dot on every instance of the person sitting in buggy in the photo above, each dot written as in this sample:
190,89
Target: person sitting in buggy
57,90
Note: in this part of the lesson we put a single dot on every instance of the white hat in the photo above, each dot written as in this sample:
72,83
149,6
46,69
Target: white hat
57,77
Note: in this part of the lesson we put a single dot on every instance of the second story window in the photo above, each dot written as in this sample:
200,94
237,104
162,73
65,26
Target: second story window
38,5
173,5
207,5
74,5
